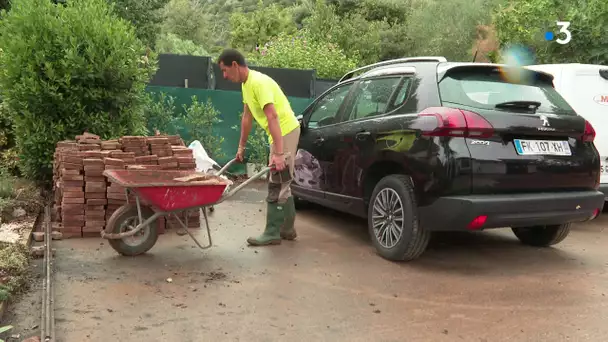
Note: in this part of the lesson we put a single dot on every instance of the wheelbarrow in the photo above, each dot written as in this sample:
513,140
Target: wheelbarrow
133,228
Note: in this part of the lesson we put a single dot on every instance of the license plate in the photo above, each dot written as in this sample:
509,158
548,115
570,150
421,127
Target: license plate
542,147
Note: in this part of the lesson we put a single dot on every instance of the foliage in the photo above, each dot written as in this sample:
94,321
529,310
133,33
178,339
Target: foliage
17,193
144,15
258,149
9,158
7,184
189,20
5,329
159,113
298,52
67,69
5,5
14,262
8,152
454,39
173,44
588,18
249,30
200,119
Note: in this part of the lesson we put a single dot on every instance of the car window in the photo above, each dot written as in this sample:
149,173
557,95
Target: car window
326,110
485,89
373,97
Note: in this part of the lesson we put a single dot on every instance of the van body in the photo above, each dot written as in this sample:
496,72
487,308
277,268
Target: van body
585,87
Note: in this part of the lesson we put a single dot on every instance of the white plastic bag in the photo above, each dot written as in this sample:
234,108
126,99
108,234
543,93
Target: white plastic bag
204,163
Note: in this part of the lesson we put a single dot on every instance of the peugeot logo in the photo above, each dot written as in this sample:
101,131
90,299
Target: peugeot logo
544,120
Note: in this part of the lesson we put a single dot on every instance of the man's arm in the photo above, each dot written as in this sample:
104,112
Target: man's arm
246,123
274,128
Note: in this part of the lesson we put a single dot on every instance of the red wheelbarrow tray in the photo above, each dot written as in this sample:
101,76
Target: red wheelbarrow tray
159,189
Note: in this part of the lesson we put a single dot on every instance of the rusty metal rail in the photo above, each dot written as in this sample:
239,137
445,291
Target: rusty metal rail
47,326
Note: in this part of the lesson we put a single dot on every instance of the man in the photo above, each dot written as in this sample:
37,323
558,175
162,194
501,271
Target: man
265,102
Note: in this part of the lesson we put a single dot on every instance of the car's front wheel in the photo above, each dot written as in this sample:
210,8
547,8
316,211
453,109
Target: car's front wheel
393,220
542,236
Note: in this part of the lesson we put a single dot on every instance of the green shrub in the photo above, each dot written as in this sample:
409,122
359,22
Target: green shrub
159,113
199,121
14,262
9,157
66,69
258,149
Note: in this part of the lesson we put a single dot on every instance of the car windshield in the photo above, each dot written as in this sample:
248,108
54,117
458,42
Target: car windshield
487,87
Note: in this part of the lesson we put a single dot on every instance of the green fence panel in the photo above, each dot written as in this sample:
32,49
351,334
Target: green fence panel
229,104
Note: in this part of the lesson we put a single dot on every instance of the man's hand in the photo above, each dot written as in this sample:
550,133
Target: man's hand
278,161
240,154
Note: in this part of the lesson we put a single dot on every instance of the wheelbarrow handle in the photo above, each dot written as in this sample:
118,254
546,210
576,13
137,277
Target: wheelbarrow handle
248,181
228,165
231,162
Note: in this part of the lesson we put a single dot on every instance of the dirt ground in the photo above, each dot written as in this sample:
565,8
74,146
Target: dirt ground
328,286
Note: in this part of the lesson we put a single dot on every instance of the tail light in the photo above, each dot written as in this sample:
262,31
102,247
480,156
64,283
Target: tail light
452,122
596,213
589,134
477,222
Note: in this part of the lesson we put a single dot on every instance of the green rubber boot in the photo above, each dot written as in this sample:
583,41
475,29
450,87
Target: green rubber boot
275,214
288,230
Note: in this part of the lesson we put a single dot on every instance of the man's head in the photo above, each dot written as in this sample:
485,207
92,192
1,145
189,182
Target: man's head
233,65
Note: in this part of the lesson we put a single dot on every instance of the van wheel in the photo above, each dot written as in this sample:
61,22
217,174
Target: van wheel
393,220
542,236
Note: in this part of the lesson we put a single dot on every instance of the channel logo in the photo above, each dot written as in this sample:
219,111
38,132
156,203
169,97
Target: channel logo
563,31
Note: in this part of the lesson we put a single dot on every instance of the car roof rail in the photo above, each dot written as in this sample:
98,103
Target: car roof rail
393,61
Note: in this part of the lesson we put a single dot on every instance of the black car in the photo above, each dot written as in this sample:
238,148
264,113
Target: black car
417,145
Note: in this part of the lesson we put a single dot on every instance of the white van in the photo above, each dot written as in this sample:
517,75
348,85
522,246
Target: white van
585,87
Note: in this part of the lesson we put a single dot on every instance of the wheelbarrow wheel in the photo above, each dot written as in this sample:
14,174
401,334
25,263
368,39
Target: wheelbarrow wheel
125,219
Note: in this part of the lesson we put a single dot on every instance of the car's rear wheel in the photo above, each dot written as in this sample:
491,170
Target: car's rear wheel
542,236
393,220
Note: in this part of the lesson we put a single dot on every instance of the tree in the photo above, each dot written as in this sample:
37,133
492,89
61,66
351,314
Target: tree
145,15
66,69
249,30
171,43
373,29
588,18
298,52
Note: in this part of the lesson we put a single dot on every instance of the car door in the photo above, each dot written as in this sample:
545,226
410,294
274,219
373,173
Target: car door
367,131
314,157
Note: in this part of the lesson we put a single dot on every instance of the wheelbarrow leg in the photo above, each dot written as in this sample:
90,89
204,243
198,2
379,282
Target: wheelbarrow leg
185,228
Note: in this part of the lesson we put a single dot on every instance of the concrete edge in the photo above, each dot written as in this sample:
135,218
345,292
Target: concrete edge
27,242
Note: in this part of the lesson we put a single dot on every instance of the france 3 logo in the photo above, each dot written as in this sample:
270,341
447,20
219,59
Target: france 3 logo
564,33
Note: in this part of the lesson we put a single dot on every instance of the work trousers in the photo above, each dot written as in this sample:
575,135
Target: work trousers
279,184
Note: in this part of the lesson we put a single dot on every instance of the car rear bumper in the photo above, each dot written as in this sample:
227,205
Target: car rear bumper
604,189
517,210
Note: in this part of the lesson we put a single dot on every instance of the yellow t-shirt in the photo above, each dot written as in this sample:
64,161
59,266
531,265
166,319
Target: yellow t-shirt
260,90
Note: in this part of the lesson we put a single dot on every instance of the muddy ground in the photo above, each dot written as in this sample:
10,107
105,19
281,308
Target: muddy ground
328,286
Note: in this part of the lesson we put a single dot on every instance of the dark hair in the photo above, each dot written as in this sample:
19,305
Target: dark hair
231,55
